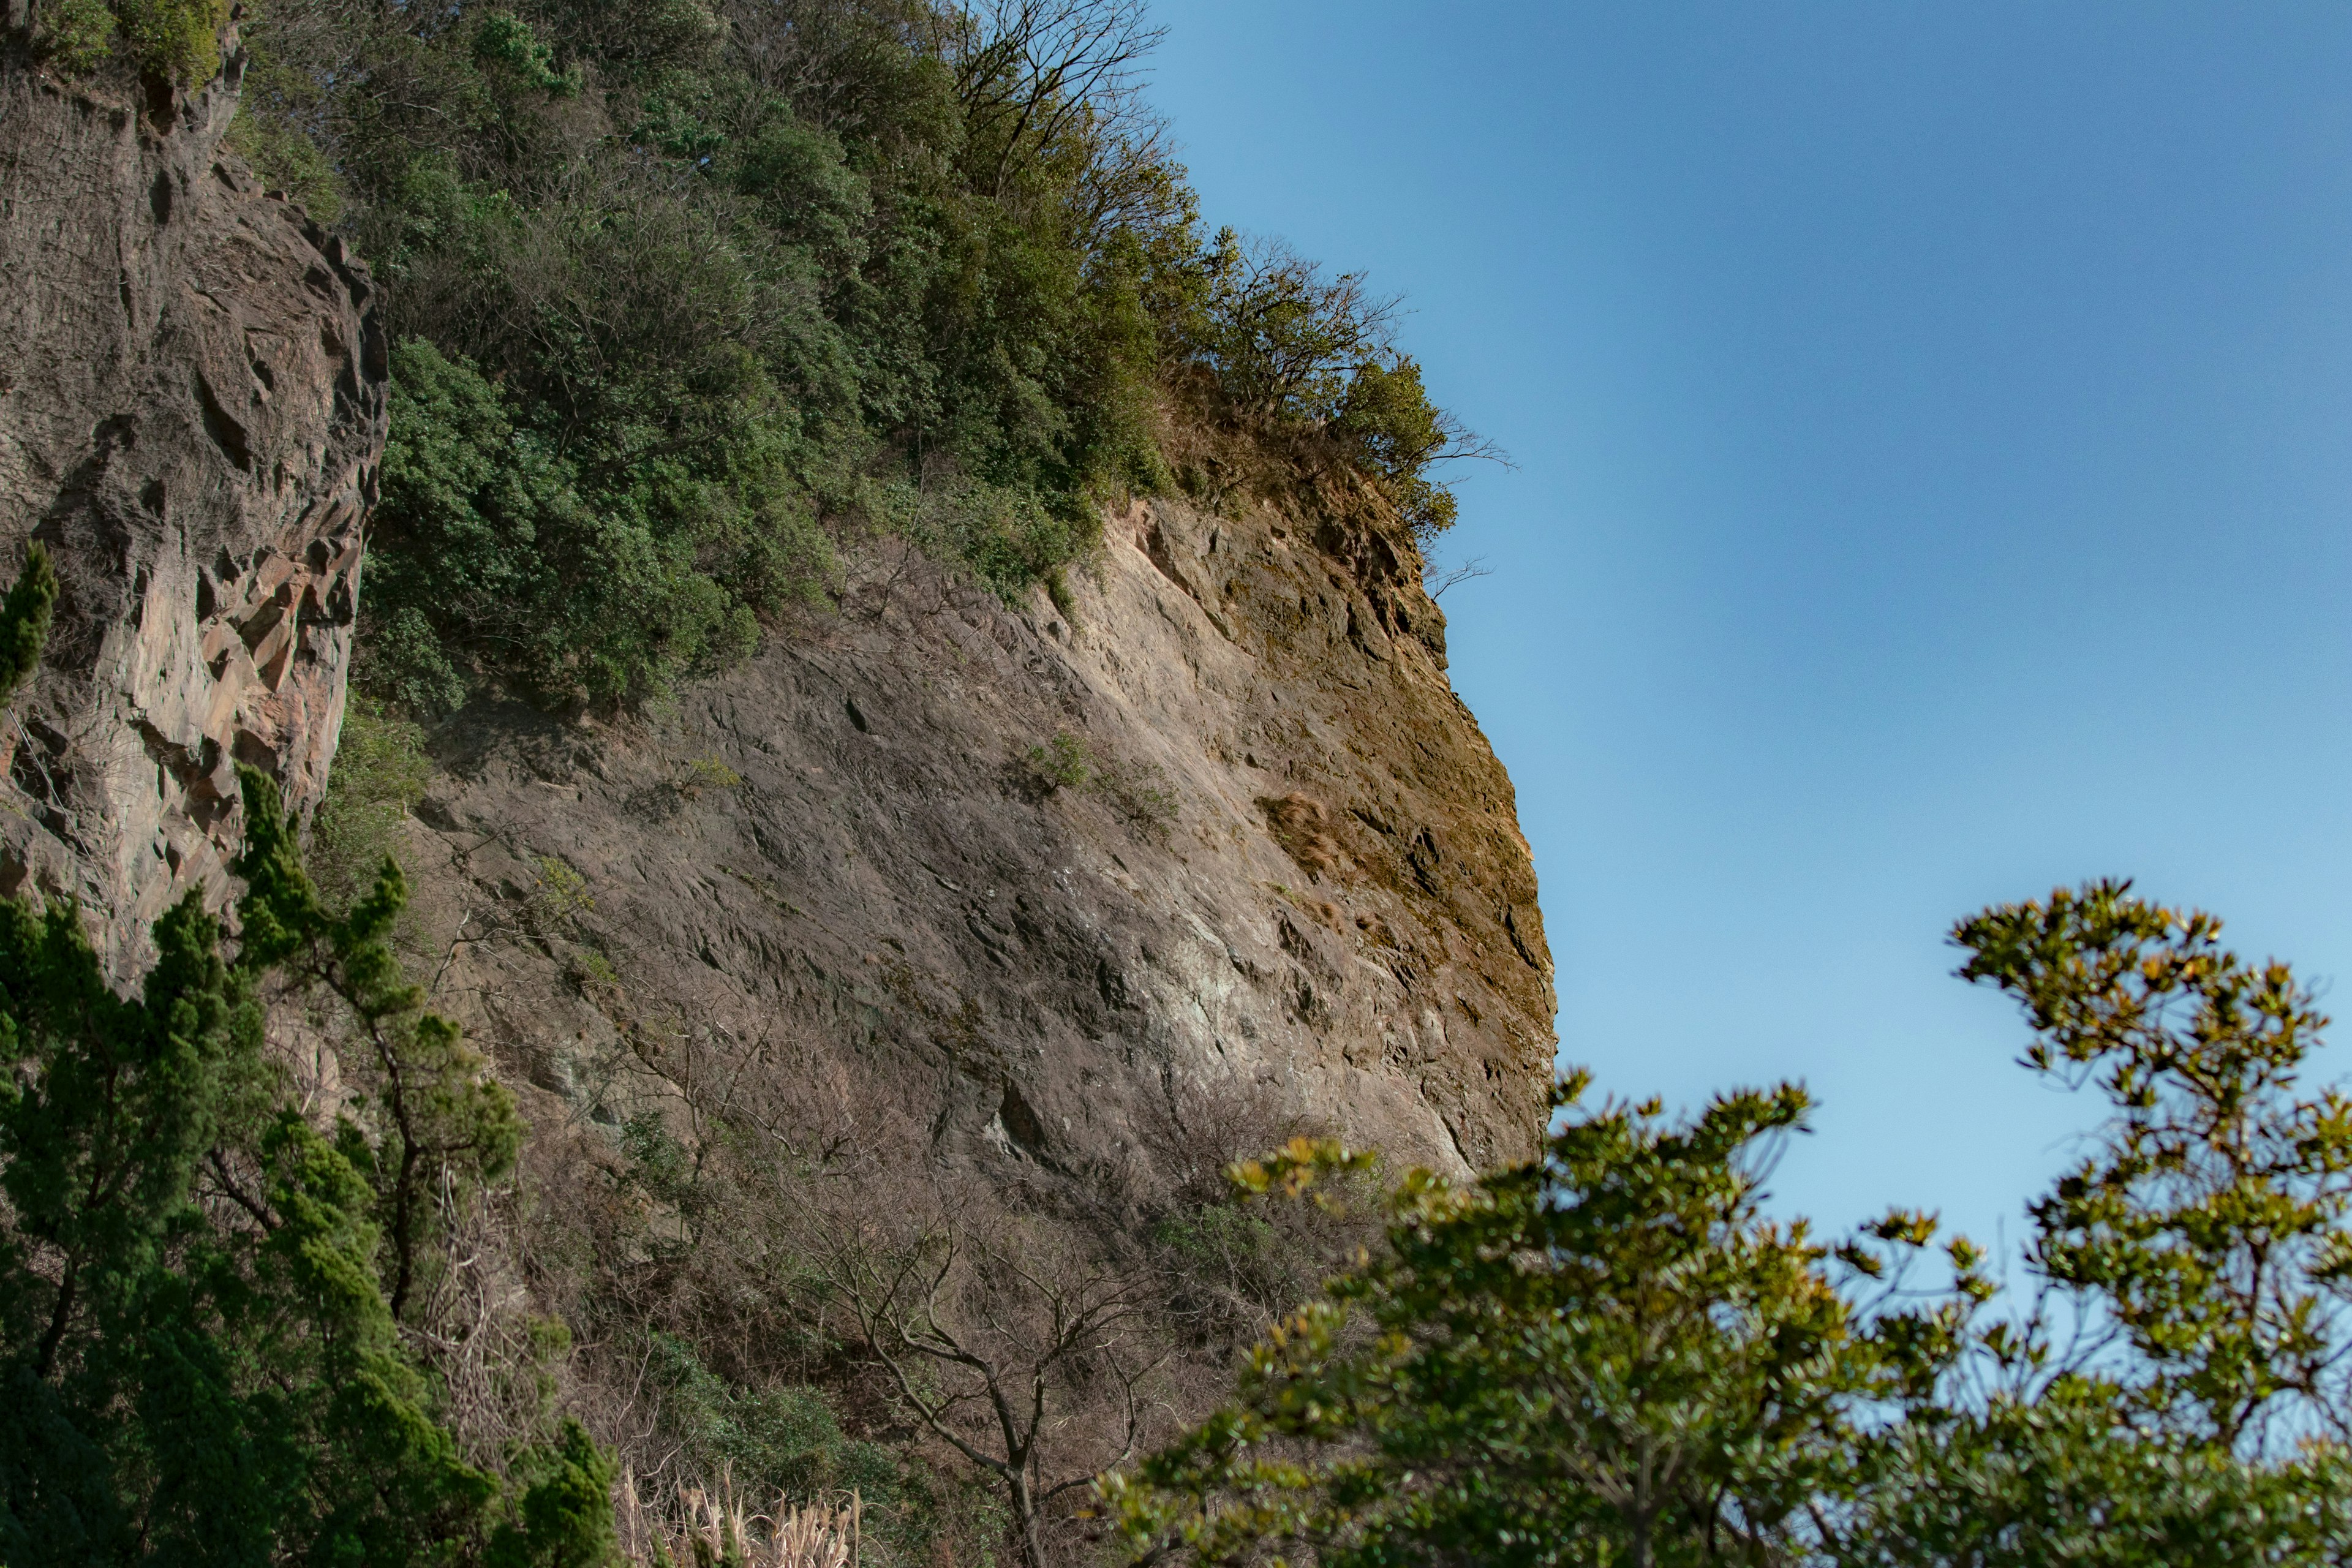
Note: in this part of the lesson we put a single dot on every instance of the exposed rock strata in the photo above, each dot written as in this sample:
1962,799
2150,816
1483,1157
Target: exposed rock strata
192,405
838,882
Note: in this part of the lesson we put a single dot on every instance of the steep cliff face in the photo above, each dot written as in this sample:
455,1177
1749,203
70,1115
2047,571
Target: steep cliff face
1013,885
1021,886
191,404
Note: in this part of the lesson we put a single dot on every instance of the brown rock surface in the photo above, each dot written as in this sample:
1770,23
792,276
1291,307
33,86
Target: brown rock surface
860,878
192,405
1010,886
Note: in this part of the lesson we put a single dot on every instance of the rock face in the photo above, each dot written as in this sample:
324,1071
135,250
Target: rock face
192,405
1022,886
1017,886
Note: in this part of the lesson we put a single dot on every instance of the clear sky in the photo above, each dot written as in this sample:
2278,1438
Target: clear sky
1935,431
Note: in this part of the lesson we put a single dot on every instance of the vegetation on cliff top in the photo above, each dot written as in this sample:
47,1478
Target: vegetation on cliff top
685,291
685,294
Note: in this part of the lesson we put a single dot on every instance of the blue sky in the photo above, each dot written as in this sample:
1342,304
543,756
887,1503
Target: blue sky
1935,443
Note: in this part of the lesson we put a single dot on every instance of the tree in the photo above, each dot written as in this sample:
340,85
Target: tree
1031,74
1610,1356
1399,435
2208,1224
991,1343
199,1335
2173,1388
1603,1355
25,620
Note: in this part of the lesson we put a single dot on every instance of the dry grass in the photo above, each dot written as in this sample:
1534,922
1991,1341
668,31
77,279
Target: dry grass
1304,828
705,1528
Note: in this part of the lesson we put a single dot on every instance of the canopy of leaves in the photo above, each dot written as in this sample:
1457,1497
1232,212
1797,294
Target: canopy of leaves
686,291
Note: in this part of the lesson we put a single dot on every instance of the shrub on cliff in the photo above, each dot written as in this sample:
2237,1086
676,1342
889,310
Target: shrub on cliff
498,545
735,281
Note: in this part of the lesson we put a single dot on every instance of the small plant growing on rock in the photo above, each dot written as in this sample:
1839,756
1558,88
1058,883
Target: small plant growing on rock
1062,762
558,897
1141,795
592,971
1058,588
706,773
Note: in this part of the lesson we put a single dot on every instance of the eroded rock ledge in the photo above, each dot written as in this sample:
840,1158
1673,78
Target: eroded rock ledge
192,409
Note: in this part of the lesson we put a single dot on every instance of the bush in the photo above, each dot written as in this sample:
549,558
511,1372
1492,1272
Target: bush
75,36
210,1308
381,773
495,551
176,39
1062,762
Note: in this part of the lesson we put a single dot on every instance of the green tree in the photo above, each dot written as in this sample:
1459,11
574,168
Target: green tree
24,617
199,1294
2171,1388
2207,1223
1605,1355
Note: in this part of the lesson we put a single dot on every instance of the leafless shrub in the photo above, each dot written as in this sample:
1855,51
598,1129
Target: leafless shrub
1302,825
1436,579
1002,1341
1032,75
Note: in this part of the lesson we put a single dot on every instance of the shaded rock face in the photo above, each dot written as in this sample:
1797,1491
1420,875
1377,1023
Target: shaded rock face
1024,887
192,407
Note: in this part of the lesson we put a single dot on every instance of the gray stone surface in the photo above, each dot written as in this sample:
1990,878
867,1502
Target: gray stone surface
835,881
191,404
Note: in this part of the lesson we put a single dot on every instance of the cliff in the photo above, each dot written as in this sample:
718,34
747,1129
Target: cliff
1012,881
1019,885
191,404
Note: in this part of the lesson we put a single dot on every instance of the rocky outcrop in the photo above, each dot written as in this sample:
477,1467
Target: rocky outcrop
1025,887
192,406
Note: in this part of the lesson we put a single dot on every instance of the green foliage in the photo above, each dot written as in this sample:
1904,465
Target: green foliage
496,550
505,46
782,1441
178,39
1388,416
566,1513
199,1289
443,1126
1608,1356
1290,348
1605,1355
381,773
686,296
1282,340
25,620
1062,762
2210,1220
75,36
2064,1478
